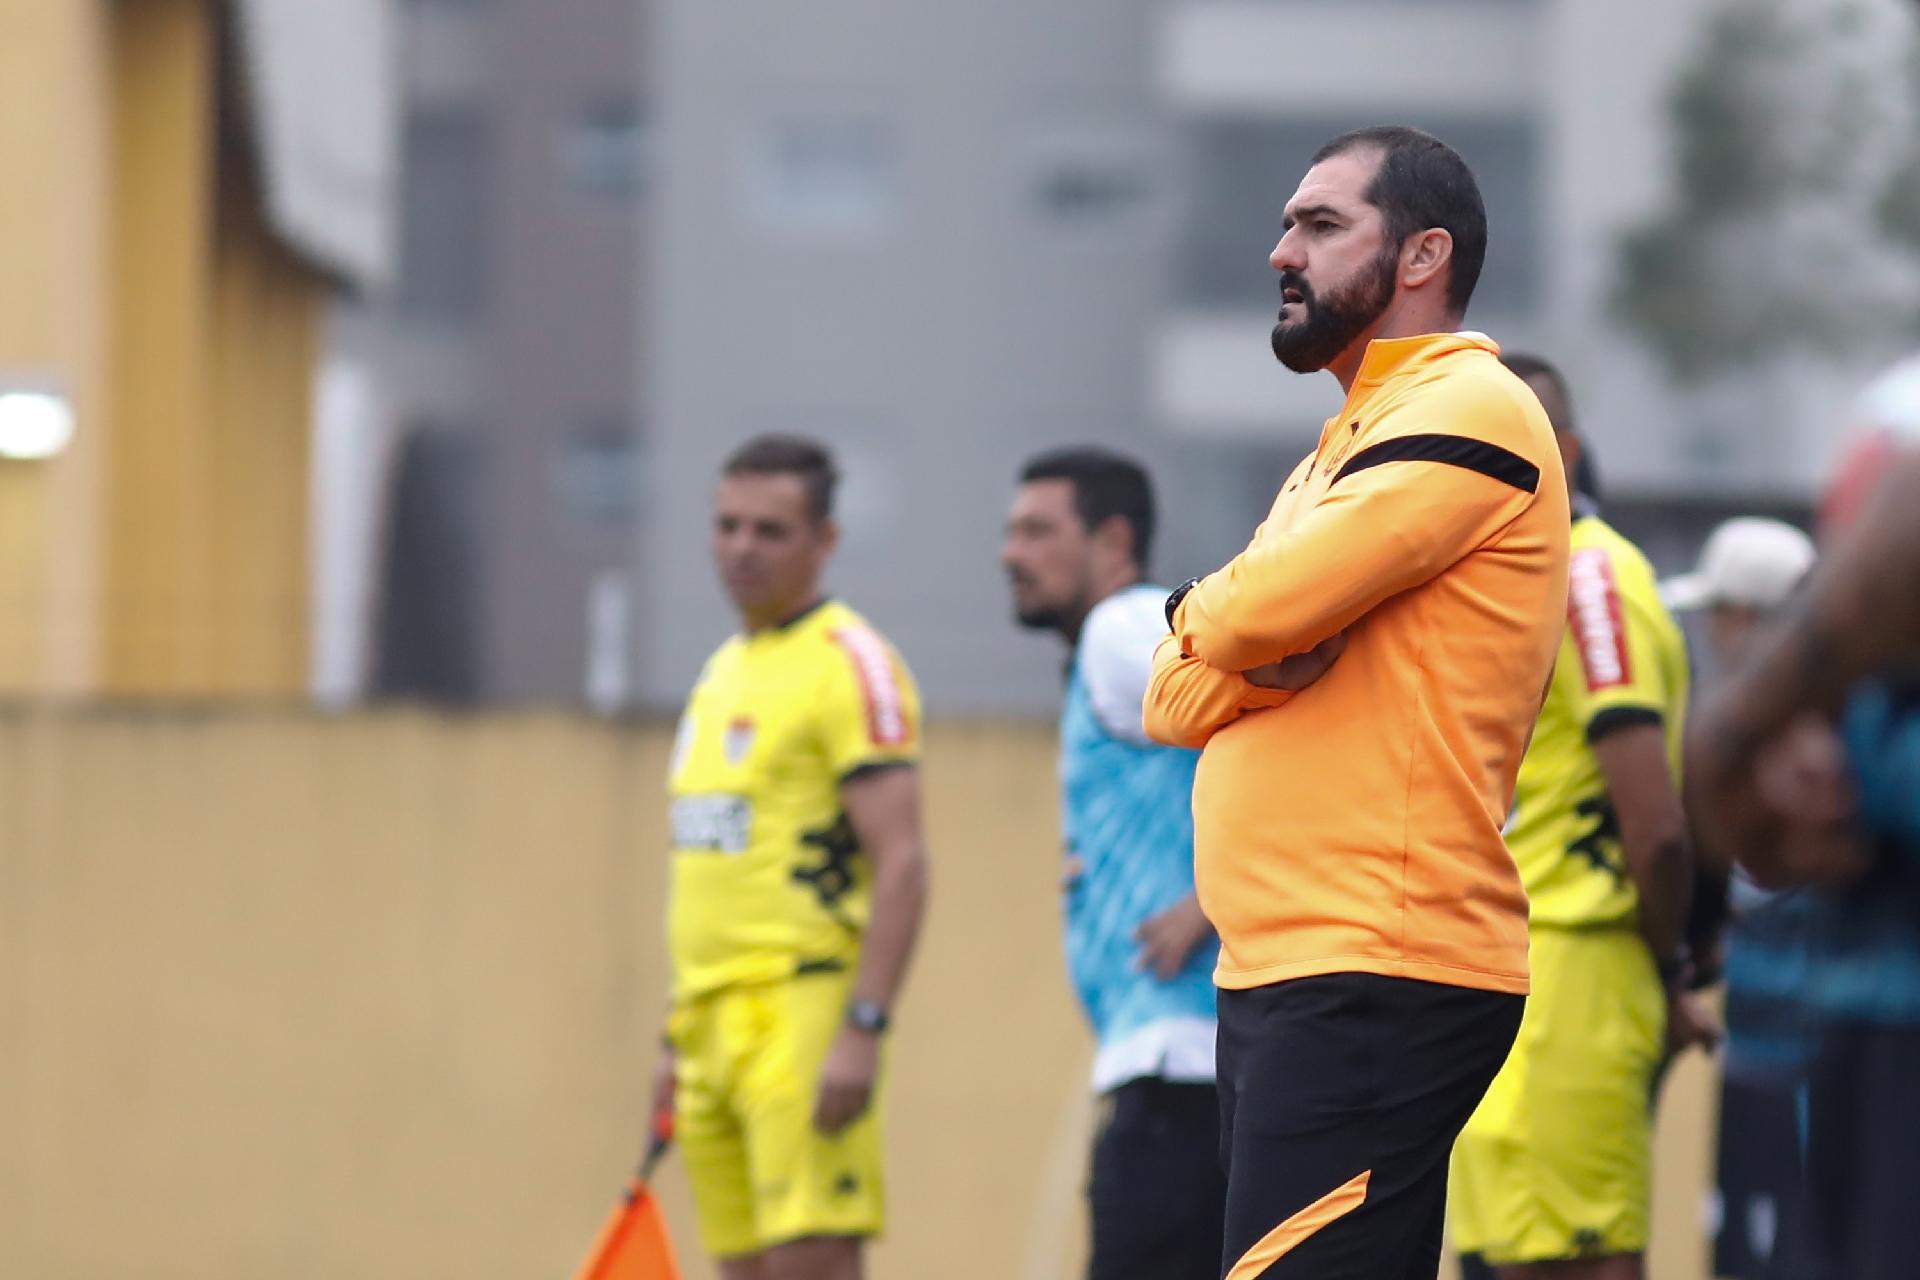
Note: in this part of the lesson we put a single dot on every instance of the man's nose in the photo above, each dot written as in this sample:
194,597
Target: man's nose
1286,255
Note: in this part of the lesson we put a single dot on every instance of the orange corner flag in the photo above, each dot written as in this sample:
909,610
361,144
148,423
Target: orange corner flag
633,1243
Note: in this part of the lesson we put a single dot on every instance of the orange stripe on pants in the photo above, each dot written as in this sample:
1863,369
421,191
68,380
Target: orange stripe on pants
1270,1248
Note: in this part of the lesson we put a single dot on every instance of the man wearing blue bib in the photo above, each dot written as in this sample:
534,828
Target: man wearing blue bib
1139,951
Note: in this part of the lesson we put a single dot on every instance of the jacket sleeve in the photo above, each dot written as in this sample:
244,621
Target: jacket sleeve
1398,513
1187,700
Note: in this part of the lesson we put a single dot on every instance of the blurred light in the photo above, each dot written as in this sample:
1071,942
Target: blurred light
34,424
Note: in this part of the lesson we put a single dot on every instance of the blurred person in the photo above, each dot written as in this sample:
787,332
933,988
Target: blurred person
1362,680
1748,568
798,881
1140,951
1804,767
1747,571
1553,1174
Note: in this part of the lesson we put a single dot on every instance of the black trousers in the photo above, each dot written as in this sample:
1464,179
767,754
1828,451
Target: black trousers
1157,1195
1762,1184
1863,1150
1340,1098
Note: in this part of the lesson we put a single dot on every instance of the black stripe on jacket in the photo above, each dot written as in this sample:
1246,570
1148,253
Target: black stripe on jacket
1455,451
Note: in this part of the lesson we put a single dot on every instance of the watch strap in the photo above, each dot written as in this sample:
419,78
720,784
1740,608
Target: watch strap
1179,594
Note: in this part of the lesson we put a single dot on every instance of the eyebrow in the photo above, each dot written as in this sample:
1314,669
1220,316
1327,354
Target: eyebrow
1310,211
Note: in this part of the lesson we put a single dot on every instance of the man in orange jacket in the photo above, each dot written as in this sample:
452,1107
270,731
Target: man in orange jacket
1362,680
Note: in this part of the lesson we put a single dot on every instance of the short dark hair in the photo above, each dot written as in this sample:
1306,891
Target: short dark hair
1105,484
1423,183
782,455
1526,366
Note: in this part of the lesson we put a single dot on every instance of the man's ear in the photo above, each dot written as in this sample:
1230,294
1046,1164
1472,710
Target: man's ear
1427,258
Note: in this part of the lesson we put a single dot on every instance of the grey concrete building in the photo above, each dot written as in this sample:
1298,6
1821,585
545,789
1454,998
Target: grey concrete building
502,362
934,236
943,237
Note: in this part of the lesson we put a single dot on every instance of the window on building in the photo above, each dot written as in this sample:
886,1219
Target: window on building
445,213
427,641
1089,180
1244,170
603,150
596,472
824,175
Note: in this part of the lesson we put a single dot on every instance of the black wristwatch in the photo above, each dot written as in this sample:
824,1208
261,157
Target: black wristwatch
1674,970
869,1016
1179,594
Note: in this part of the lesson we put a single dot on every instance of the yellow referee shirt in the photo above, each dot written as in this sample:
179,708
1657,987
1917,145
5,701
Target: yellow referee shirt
768,878
1623,661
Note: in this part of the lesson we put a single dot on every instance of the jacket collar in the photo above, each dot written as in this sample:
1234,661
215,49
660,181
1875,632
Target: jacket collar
1387,357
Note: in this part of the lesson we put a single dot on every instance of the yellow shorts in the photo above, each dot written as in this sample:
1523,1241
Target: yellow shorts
1557,1162
750,1059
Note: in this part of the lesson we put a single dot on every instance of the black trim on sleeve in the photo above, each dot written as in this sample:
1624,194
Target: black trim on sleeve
1456,451
872,767
1614,718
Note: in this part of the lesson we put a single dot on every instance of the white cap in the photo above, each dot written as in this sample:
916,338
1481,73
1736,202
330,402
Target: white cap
1747,561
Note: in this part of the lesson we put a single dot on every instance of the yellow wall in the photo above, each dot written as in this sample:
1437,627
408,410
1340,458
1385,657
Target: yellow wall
375,996
214,346
156,589
165,552
55,89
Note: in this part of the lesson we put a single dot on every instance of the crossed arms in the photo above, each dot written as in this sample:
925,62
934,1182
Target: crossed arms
1380,530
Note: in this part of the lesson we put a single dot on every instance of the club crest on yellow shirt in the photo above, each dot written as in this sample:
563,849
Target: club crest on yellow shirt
738,739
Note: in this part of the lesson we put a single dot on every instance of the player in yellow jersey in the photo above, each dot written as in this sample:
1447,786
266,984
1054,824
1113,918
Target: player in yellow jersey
797,888
1552,1176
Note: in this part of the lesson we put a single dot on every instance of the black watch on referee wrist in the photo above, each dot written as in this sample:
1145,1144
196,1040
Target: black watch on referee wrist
869,1016
1673,970
1179,594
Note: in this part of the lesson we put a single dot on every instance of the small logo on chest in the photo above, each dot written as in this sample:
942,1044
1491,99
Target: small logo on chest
738,739
1339,455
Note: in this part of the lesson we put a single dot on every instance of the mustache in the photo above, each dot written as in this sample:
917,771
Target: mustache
1297,283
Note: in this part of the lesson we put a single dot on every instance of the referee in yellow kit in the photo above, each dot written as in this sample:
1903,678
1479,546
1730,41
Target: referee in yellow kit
797,888
1553,1174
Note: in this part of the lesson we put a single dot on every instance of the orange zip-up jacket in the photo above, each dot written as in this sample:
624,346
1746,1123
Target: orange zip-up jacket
1354,826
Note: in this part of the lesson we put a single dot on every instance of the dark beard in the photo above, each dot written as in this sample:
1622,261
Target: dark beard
1333,322
1048,617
